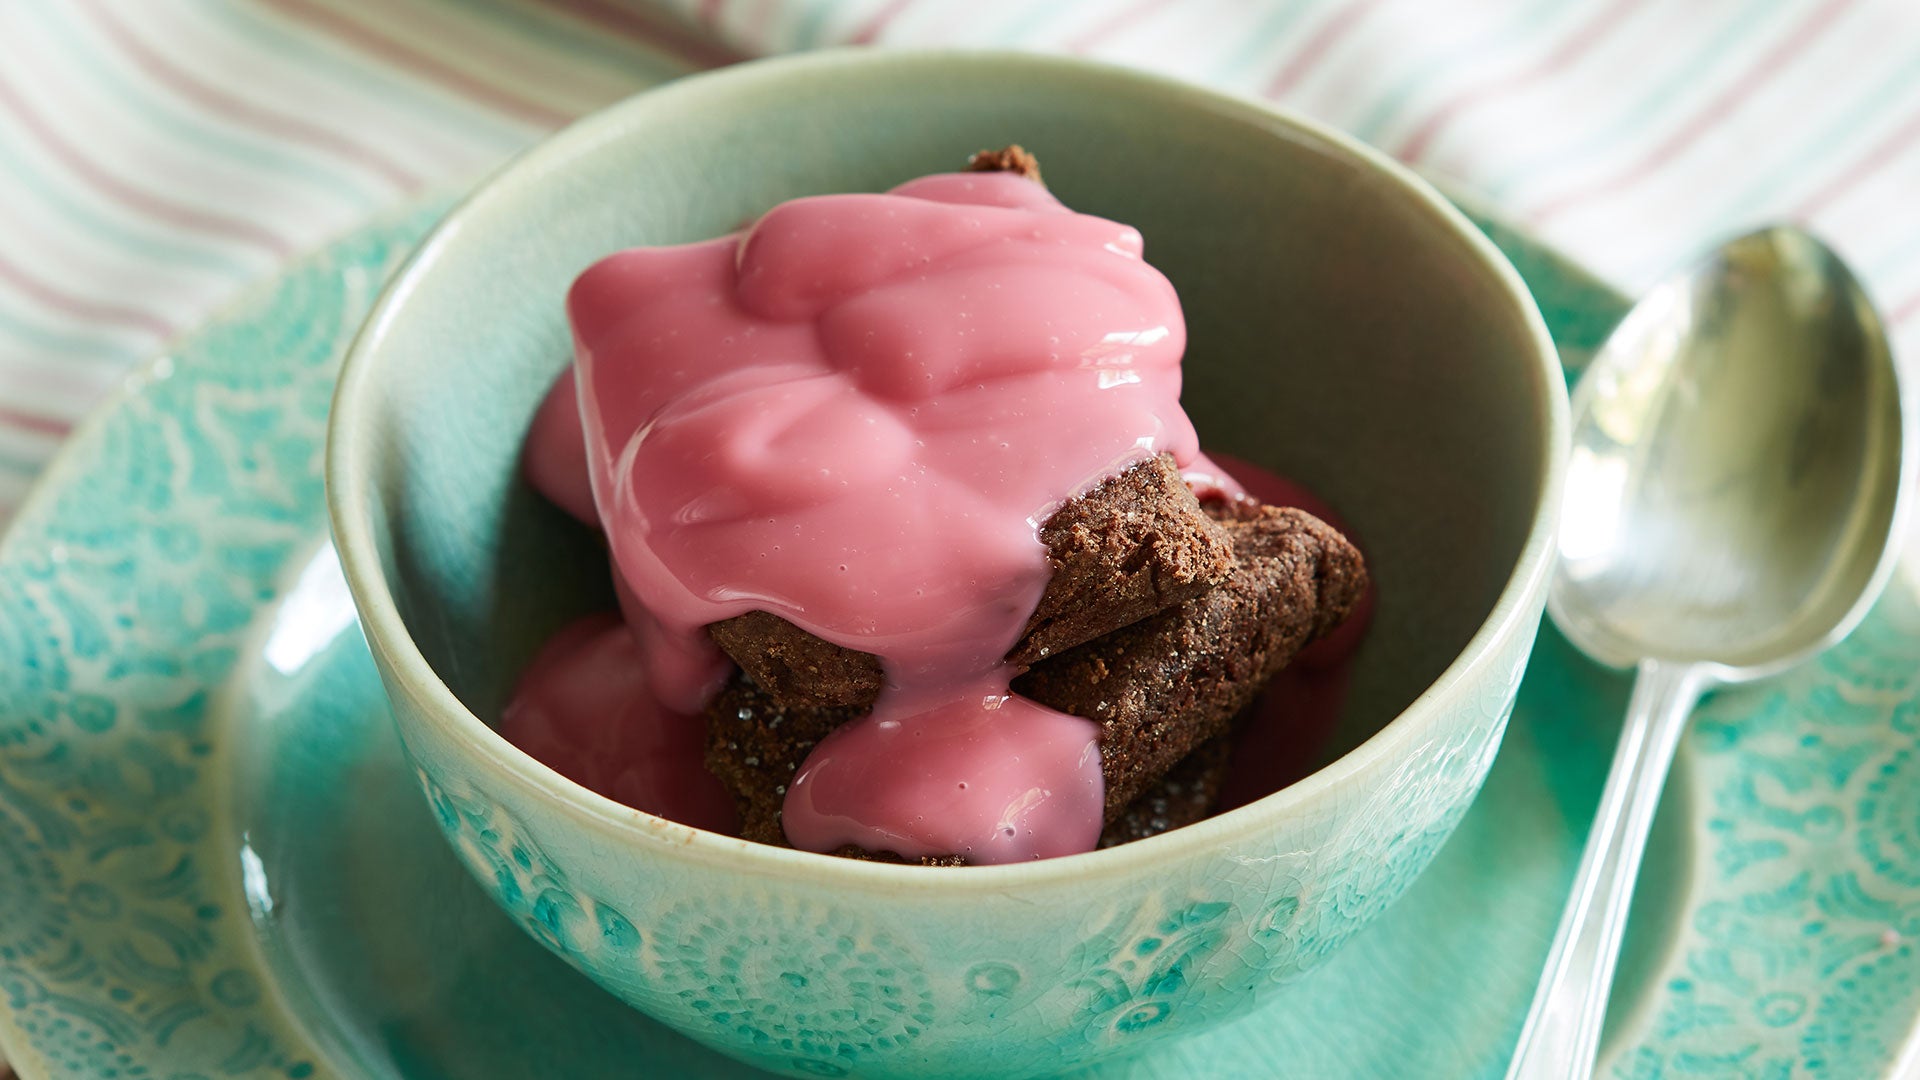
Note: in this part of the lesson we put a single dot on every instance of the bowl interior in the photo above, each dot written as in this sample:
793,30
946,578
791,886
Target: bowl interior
1341,331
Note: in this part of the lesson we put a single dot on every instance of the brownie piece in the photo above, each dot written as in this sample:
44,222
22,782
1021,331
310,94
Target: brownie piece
1159,688
796,668
1133,545
1162,686
1013,159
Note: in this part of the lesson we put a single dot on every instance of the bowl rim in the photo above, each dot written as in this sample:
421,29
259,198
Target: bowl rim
349,506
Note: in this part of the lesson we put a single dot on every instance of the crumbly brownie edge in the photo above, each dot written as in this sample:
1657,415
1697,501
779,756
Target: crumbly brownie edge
1133,545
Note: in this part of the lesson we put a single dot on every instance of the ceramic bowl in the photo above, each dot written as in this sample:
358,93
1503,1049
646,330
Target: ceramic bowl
1348,328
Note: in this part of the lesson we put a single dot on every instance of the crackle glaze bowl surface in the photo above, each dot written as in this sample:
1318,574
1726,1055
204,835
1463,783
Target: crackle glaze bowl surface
1348,328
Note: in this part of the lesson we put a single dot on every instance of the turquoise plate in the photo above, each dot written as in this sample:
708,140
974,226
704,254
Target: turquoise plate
213,862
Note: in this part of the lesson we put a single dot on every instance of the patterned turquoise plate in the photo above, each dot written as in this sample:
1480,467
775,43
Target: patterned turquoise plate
213,862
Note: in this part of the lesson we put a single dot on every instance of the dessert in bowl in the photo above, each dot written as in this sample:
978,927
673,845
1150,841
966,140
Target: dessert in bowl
909,531
1345,327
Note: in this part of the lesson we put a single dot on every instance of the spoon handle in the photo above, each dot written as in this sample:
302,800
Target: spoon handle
1562,1034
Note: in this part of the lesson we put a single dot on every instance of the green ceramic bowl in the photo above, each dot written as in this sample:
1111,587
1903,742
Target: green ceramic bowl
1348,328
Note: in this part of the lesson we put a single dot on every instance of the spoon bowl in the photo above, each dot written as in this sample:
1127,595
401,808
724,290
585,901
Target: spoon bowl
1733,491
1736,461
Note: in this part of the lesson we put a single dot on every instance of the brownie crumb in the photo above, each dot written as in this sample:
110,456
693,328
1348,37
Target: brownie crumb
851,852
1013,159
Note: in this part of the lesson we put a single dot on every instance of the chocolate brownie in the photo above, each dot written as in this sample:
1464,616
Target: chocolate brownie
1133,545
1159,688
1164,685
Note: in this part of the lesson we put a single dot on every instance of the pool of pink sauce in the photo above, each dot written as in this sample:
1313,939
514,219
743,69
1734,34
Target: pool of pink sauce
853,414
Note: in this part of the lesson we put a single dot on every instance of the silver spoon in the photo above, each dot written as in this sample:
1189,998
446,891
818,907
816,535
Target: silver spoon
1732,497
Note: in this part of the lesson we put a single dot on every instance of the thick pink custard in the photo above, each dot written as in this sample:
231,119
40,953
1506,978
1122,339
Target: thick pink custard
855,415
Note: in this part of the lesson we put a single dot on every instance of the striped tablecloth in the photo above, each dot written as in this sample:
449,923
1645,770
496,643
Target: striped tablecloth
156,156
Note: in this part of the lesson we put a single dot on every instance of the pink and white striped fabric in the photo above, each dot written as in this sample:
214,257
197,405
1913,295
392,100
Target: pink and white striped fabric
156,156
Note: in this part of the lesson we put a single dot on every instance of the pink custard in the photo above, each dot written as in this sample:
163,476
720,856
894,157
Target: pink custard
855,415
